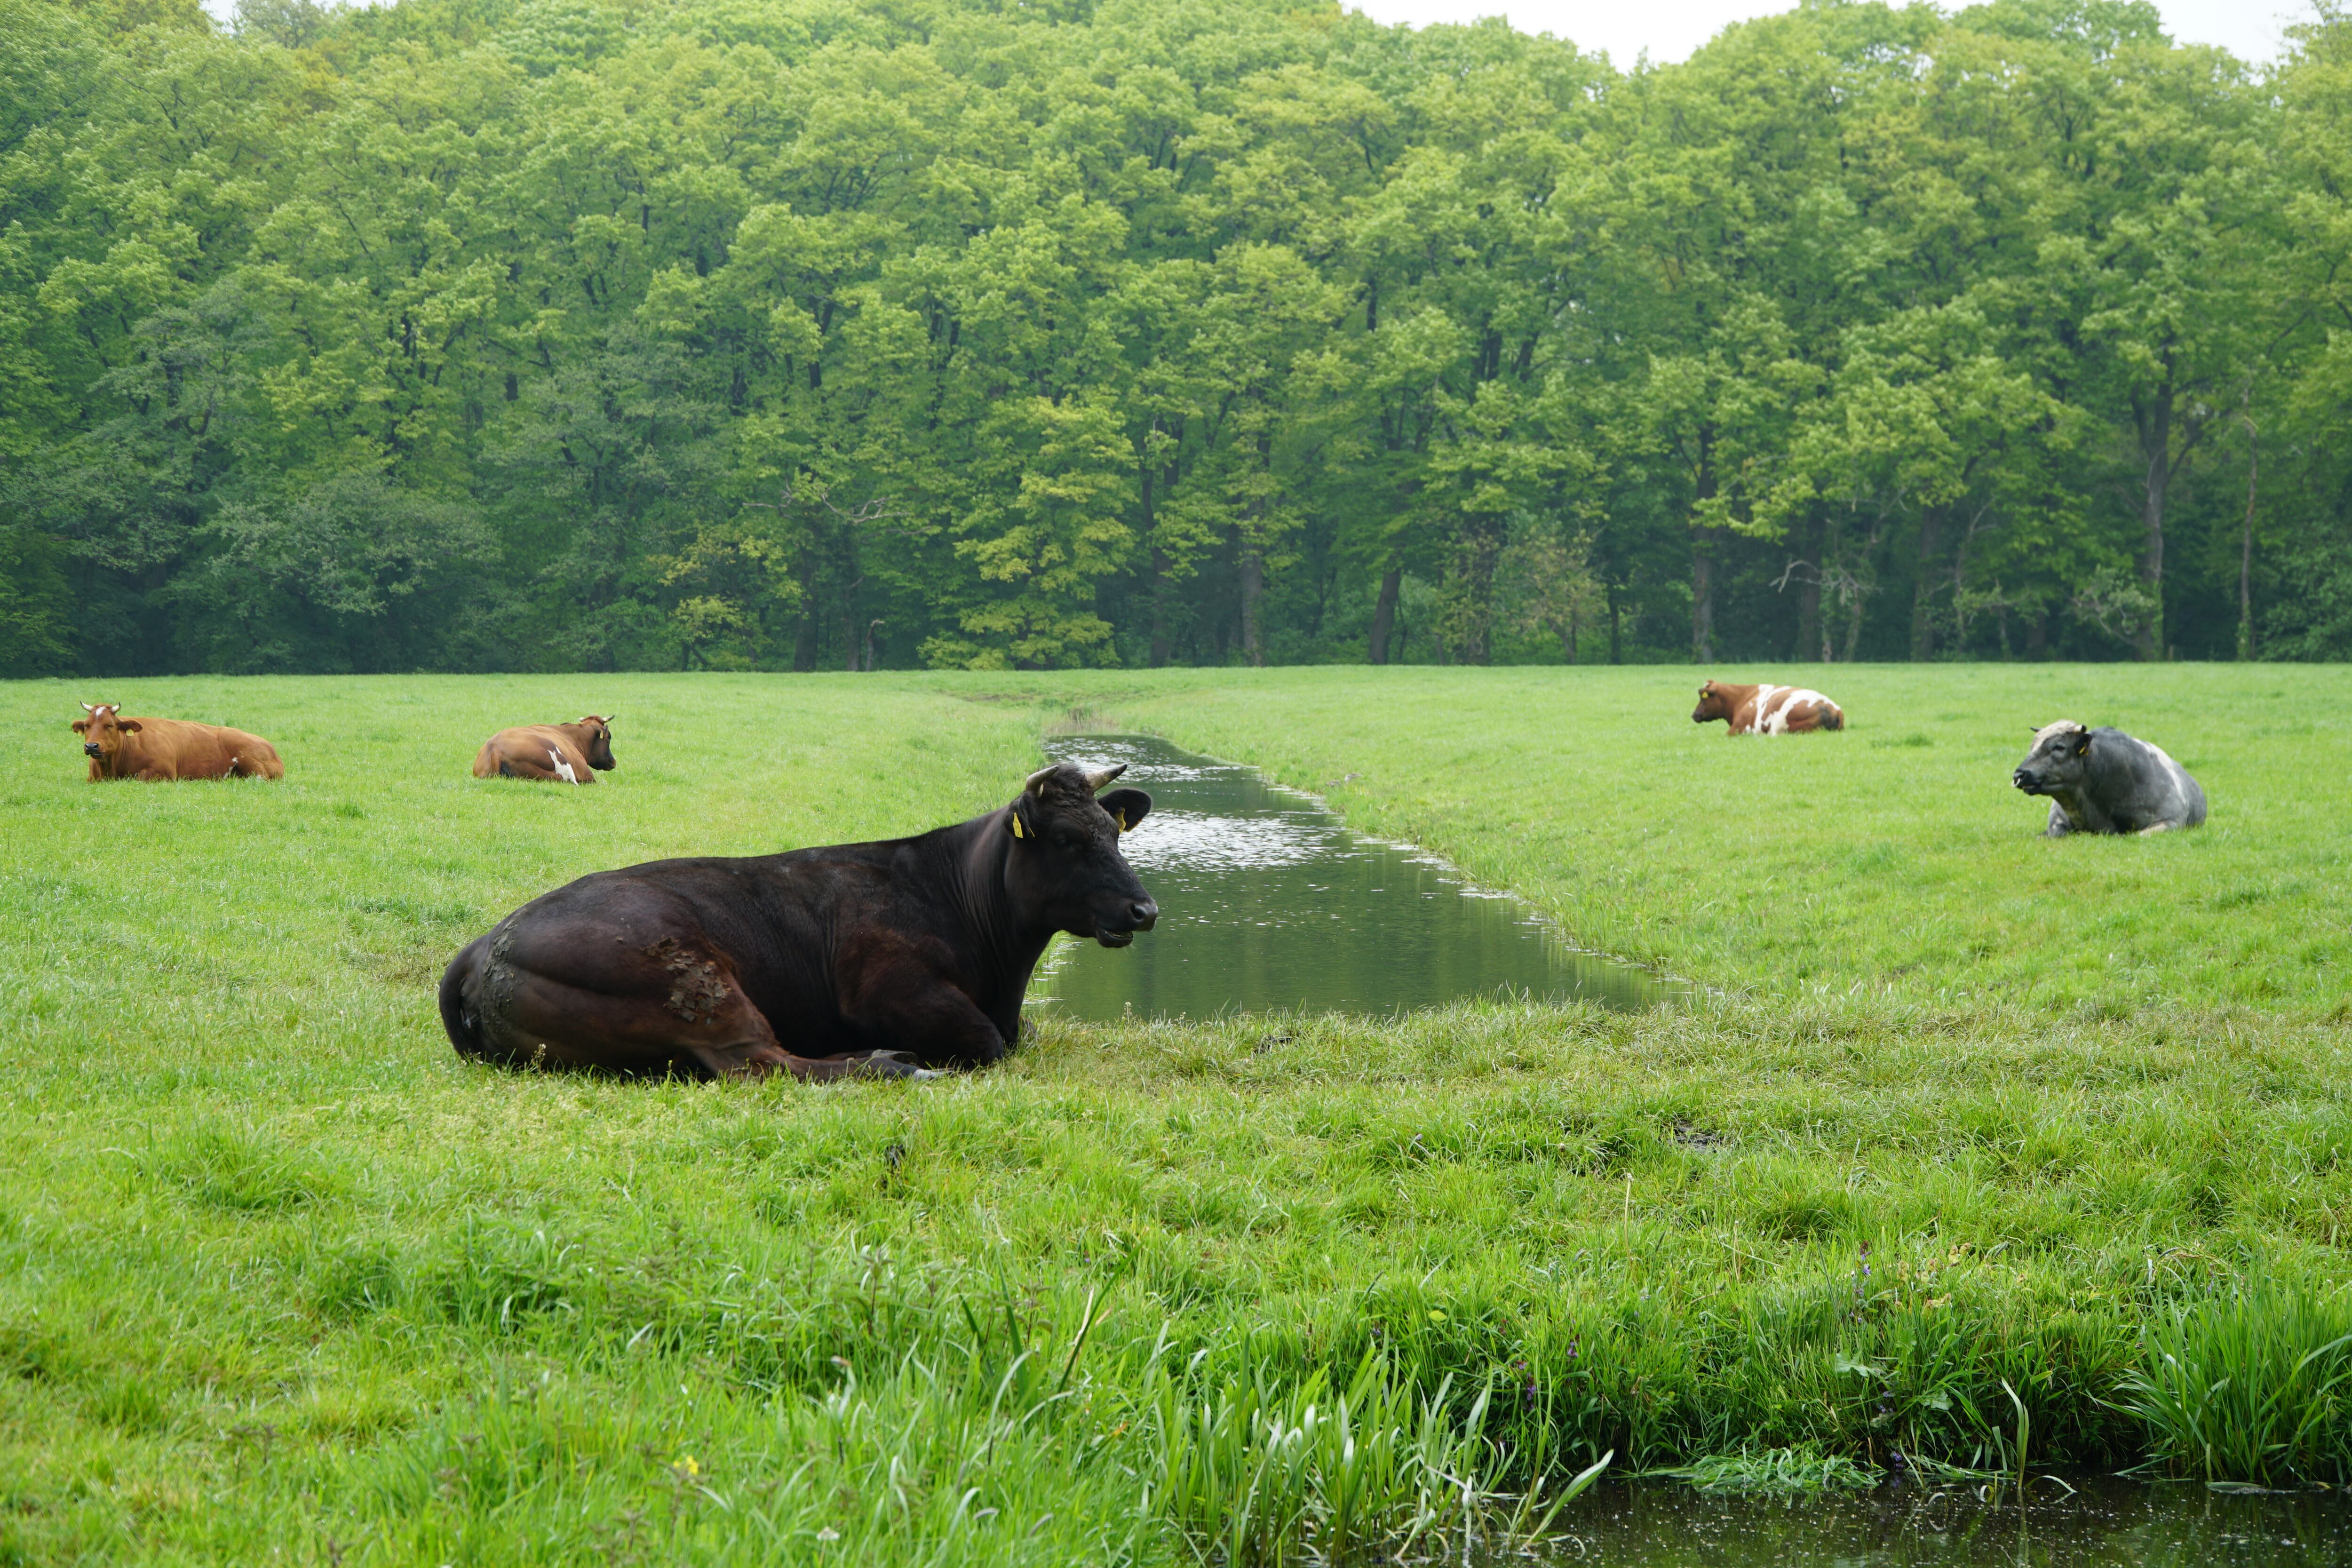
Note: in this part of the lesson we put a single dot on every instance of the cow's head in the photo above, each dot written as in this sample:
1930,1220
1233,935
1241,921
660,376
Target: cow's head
1713,703
2058,760
101,733
1065,867
598,742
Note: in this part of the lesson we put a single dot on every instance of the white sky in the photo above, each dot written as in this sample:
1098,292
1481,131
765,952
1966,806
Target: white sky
1671,29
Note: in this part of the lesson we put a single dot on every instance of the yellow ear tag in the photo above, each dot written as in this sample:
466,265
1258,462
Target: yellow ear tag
1016,827
1122,821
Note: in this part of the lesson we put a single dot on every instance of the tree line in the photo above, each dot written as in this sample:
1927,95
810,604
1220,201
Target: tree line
595,334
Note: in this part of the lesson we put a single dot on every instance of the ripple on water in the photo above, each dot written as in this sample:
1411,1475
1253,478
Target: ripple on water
2084,1522
1267,900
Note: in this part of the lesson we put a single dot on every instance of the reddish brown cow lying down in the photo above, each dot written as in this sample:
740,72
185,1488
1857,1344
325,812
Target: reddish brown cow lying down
563,752
1766,710
162,748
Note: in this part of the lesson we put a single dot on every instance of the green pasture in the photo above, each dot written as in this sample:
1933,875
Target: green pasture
1971,1138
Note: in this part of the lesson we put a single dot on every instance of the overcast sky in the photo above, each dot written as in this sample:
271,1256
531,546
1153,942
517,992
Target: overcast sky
1670,30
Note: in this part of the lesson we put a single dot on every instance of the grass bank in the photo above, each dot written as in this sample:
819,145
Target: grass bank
1986,1140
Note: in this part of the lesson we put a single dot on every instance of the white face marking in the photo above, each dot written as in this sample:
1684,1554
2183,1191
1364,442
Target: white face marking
2063,727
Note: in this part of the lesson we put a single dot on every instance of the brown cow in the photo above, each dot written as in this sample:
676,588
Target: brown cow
1766,710
563,752
162,749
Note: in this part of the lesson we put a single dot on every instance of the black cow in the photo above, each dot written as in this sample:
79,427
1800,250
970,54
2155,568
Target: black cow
888,958
2103,781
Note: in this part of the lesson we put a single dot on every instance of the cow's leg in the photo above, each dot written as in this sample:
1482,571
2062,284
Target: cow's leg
524,767
921,1011
671,1006
2060,825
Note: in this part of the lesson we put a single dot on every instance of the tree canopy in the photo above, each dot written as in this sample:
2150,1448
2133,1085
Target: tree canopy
550,334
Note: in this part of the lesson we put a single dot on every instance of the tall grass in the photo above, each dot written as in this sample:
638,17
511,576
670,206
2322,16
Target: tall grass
1266,1472
2256,1386
1783,1471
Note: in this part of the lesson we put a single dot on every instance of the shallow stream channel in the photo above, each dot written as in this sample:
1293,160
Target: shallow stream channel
1268,902
2106,1520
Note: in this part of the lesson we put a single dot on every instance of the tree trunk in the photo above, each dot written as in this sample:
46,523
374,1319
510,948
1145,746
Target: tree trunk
1252,554
1861,600
1810,643
1384,614
804,641
2246,553
1832,548
1616,641
1158,585
1568,635
2037,635
1481,540
2154,421
1703,556
1701,598
1923,619
1253,576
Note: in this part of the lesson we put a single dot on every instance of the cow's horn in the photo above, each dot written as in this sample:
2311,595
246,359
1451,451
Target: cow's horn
88,709
1096,780
1040,776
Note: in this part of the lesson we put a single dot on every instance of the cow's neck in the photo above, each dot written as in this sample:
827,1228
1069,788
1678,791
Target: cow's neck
2076,804
1009,944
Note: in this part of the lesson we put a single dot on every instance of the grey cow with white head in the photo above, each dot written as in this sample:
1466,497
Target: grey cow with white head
2104,780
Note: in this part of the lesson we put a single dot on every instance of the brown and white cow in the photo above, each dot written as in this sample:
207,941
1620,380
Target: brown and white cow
158,750
564,754
1766,710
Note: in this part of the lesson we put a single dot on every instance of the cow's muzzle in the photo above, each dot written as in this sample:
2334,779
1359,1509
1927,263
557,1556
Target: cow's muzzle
1142,915
89,749
2025,781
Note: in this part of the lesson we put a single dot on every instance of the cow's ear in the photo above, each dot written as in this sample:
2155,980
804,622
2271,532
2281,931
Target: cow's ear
1127,808
132,725
1020,828
82,726
2082,742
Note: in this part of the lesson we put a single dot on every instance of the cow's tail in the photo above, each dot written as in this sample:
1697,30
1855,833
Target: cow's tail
465,1030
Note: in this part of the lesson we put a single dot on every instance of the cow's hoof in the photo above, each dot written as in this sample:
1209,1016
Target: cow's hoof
896,1064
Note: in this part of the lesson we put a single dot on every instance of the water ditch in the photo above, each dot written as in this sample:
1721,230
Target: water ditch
1269,902
2109,1521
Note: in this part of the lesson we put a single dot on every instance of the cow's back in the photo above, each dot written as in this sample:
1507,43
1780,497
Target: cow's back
522,751
185,749
2138,786
250,755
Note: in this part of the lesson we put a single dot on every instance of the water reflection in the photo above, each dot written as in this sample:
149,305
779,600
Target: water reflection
2106,1521
1267,902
